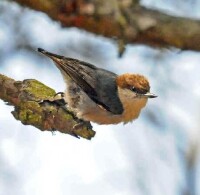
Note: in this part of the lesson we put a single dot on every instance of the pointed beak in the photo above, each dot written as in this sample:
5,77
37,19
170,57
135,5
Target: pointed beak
56,58
150,95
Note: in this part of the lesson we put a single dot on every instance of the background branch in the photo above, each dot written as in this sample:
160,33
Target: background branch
125,20
25,97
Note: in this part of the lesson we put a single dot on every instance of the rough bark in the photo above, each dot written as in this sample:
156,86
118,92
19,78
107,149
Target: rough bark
26,98
125,20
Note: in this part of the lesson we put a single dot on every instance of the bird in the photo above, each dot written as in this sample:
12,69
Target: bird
98,95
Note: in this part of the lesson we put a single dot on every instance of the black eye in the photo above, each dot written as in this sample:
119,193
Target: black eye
139,91
134,89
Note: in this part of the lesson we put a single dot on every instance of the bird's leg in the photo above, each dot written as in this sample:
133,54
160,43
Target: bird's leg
62,94
59,101
81,123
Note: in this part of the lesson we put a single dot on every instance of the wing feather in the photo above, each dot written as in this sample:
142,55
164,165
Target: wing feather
97,83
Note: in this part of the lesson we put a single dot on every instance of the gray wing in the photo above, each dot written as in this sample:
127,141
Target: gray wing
98,84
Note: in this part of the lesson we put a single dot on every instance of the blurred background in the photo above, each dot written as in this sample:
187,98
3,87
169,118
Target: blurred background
156,154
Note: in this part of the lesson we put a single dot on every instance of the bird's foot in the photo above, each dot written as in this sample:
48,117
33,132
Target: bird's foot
57,99
61,94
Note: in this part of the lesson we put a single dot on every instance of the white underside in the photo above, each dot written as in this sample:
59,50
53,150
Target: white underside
88,110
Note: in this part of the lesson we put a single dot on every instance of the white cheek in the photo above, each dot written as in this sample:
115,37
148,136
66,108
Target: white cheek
126,94
131,103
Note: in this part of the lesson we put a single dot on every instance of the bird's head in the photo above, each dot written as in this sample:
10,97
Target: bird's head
137,84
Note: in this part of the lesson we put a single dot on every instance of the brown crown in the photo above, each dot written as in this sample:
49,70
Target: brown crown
136,81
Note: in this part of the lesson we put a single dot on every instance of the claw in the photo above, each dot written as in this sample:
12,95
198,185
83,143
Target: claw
58,101
61,94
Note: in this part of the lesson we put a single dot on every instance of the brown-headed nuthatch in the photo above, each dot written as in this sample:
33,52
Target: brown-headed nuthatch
101,96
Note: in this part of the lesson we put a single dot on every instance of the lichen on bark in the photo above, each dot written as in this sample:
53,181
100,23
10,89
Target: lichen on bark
34,105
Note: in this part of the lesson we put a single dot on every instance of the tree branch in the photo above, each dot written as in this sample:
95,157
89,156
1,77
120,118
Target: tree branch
26,96
123,19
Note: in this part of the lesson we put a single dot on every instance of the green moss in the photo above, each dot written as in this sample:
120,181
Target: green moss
30,113
38,89
67,116
85,133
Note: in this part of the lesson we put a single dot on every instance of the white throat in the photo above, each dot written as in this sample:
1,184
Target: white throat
132,104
